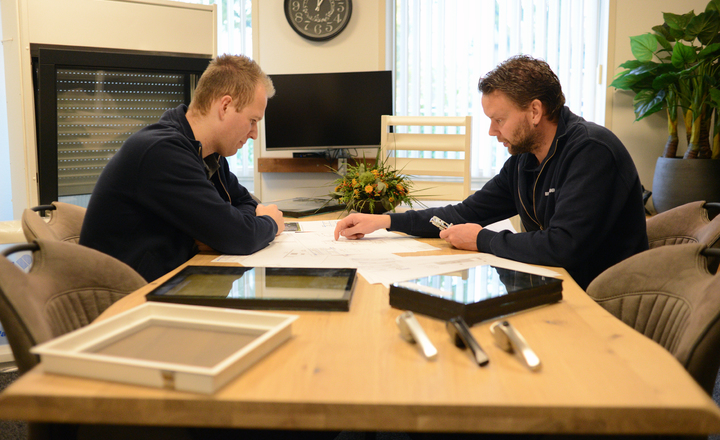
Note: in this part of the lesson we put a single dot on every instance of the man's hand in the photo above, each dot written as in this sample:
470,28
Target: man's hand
356,226
274,213
462,236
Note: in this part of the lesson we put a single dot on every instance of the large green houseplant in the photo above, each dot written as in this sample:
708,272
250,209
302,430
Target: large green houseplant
676,69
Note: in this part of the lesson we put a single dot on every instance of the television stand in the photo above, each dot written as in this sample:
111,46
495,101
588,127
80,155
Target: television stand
302,164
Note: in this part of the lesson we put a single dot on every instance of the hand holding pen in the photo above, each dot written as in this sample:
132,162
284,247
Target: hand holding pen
462,236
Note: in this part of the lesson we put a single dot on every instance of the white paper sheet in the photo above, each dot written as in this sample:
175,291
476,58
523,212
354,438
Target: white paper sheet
315,246
407,268
373,256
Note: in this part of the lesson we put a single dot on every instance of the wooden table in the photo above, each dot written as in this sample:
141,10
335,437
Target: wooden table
351,370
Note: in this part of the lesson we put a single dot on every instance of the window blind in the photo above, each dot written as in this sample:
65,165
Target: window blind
97,110
443,47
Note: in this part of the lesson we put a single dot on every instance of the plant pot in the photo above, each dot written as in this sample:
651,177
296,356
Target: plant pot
377,208
679,181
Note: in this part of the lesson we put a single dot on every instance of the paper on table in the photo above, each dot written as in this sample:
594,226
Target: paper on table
373,256
408,268
315,246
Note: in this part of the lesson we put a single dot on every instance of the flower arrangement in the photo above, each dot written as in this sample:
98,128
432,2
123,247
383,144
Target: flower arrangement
372,188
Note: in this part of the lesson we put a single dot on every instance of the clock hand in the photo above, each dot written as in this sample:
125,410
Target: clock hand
319,2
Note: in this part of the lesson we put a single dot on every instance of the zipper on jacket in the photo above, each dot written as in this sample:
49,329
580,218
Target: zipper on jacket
226,191
534,216
218,174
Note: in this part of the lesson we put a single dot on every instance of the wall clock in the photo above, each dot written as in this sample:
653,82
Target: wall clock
318,20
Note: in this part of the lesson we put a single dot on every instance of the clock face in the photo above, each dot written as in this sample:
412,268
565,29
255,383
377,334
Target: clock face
318,19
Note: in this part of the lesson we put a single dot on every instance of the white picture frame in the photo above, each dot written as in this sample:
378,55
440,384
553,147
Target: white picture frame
173,346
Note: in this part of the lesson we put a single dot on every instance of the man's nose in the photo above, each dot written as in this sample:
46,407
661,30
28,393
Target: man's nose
493,131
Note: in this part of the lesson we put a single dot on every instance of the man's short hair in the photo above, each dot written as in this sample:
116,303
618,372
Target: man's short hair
523,79
235,75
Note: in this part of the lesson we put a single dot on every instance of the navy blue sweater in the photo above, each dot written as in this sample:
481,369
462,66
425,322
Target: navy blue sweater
582,207
154,199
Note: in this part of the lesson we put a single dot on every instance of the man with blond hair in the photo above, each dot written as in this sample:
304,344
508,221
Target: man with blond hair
169,191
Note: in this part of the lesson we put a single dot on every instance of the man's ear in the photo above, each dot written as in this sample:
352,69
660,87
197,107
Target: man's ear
225,105
536,109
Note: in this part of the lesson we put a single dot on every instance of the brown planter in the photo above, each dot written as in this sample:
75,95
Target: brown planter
378,207
679,181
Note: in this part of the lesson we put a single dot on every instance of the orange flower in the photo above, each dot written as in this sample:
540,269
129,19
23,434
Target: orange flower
400,187
369,189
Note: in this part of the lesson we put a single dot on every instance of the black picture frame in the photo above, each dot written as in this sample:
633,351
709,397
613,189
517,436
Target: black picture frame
214,281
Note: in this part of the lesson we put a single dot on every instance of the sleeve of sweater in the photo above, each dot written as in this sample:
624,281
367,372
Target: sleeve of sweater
494,202
171,182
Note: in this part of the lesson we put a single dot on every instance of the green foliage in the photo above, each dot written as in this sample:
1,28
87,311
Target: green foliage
677,66
366,187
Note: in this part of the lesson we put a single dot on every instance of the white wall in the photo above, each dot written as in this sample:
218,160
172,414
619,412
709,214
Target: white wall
644,139
279,50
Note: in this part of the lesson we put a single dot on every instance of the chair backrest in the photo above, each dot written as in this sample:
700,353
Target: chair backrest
669,295
67,287
64,224
433,178
689,223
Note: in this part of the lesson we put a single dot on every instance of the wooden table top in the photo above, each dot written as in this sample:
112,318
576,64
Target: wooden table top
352,370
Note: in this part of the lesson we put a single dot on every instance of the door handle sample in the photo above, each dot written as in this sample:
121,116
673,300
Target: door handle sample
510,340
412,331
462,337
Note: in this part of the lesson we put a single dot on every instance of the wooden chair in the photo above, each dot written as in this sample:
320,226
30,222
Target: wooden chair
64,224
435,178
670,295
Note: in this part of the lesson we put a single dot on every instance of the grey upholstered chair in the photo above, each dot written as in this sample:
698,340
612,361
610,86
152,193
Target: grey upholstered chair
695,222
669,295
67,287
64,224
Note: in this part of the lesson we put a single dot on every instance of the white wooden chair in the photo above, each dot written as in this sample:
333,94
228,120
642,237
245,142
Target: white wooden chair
433,178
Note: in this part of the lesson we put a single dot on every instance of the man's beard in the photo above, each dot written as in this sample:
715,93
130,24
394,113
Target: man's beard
528,140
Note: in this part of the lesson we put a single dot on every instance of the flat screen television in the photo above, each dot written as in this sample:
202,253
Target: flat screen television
327,110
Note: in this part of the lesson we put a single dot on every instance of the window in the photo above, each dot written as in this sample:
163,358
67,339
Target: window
235,37
443,47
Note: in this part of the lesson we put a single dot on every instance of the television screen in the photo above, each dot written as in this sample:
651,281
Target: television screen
327,110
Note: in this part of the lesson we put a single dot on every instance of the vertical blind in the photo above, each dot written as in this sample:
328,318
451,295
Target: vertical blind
443,47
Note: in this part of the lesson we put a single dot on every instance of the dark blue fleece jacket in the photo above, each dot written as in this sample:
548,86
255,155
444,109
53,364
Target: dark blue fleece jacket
582,207
154,199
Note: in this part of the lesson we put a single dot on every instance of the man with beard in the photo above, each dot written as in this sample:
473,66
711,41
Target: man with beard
572,182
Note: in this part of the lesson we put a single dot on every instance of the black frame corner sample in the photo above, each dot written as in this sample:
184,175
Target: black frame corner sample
531,291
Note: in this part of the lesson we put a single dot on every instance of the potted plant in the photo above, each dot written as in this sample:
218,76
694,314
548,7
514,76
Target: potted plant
372,187
676,69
